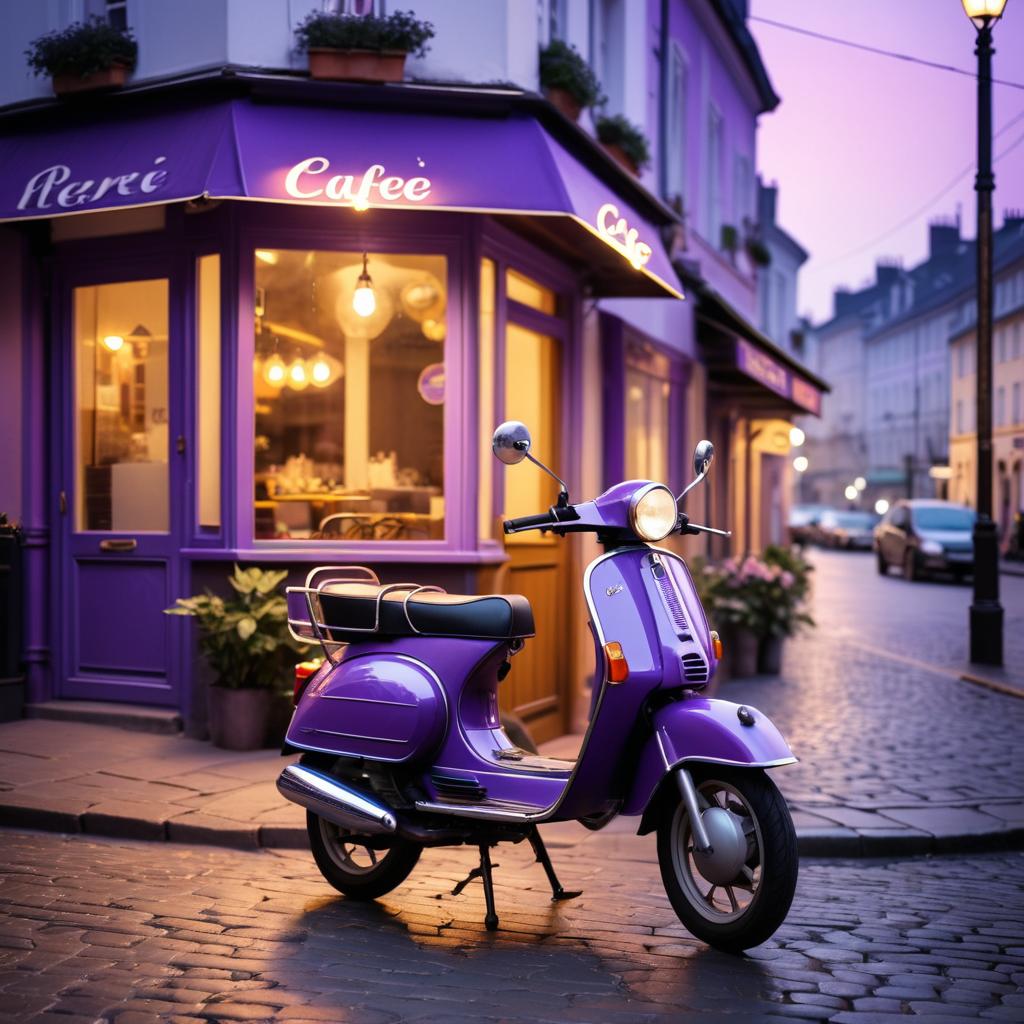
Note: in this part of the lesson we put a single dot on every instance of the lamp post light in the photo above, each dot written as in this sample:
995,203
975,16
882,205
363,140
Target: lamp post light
986,615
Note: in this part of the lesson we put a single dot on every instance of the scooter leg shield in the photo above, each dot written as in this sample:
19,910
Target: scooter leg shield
709,730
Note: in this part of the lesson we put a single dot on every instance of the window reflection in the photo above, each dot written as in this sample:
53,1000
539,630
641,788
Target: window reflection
648,393
349,383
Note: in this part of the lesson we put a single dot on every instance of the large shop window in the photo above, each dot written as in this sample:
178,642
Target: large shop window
648,394
349,395
121,406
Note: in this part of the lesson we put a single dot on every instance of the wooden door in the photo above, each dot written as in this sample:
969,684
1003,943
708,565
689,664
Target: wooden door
537,688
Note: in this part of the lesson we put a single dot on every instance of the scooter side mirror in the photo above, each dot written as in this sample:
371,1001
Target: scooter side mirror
511,442
703,456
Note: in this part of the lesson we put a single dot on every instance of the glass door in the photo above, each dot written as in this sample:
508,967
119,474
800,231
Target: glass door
120,471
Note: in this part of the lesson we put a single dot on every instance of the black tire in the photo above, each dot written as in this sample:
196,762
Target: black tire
883,565
391,869
772,860
910,573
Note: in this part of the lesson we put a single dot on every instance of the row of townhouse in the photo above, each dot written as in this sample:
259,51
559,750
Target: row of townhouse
899,356
192,380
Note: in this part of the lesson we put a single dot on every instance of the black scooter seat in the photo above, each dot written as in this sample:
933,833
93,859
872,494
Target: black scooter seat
353,610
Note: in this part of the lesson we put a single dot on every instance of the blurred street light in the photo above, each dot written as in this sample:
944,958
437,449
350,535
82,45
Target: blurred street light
986,615
800,463
851,493
860,483
796,437
881,506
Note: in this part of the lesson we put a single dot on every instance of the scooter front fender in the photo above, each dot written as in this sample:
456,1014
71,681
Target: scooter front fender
705,730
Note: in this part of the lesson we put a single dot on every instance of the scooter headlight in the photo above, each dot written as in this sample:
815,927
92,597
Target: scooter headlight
652,512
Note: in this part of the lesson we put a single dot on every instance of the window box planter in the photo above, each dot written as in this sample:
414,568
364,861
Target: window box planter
567,80
564,102
68,82
356,65
624,142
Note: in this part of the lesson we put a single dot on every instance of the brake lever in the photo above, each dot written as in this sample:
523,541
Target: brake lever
696,528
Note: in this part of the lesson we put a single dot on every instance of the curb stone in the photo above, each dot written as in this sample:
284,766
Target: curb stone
836,842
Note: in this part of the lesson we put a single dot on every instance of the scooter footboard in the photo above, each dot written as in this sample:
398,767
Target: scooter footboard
709,730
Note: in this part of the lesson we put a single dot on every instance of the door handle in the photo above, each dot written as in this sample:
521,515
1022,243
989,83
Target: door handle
119,544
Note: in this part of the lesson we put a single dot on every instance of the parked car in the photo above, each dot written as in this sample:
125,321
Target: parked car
802,521
924,536
852,530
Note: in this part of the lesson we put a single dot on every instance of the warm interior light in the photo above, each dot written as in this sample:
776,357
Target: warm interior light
297,376
274,371
796,437
851,493
800,463
881,506
364,302
320,371
267,256
114,342
860,483
982,11
433,330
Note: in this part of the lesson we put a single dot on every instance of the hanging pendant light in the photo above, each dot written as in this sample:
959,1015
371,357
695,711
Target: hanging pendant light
274,371
364,302
298,375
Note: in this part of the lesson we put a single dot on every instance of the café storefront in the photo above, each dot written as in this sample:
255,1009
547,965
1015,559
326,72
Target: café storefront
274,323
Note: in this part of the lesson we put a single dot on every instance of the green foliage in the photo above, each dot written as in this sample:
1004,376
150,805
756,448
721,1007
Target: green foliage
618,131
82,49
730,237
245,639
562,67
397,32
766,596
758,252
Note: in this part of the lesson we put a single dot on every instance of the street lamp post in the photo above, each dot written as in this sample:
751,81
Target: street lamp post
986,615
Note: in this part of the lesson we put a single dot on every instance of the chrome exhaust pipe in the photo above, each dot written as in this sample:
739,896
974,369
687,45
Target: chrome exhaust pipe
335,801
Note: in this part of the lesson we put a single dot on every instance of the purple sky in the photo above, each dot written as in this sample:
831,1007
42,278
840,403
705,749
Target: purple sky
860,142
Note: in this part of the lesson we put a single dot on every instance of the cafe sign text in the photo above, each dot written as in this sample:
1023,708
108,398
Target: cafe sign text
303,181
620,236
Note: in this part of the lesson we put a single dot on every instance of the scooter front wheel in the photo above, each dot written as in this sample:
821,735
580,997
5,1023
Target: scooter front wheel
736,896
359,871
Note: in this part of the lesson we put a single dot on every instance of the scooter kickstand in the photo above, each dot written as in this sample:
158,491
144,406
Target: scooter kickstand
541,852
483,872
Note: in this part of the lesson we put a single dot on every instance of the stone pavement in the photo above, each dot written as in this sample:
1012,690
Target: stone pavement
141,933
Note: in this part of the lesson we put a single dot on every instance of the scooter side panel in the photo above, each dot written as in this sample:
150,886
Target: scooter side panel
709,730
385,706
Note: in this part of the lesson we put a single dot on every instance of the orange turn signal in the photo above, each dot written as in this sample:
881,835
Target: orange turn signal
716,645
304,671
618,669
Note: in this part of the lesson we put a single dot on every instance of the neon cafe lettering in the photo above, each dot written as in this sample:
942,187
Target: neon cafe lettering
619,235
300,183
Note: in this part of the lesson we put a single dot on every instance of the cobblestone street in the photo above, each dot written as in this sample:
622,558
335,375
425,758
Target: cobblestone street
142,932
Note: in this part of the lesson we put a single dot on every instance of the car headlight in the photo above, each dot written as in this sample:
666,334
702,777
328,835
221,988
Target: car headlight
652,512
931,547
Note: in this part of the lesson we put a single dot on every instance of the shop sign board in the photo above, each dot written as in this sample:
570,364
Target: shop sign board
760,366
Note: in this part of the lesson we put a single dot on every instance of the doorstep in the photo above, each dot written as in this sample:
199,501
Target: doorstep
122,716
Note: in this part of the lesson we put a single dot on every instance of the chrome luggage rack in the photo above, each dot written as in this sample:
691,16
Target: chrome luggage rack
313,629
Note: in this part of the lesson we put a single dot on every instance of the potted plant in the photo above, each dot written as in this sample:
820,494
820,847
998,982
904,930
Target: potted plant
567,79
758,252
362,47
785,604
730,239
625,142
247,644
87,55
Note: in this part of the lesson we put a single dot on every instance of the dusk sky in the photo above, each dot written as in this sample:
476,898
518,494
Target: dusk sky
860,142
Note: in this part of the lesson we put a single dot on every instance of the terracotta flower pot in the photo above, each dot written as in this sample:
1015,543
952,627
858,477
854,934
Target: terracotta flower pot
238,718
618,154
564,101
744,648
356,65
769,656
110,78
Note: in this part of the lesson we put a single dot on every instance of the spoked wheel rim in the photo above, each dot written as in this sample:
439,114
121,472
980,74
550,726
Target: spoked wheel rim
724,885
349,852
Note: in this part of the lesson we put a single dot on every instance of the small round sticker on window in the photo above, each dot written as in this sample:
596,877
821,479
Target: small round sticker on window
431,384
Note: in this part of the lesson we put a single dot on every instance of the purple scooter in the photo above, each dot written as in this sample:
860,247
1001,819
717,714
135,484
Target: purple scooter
402,744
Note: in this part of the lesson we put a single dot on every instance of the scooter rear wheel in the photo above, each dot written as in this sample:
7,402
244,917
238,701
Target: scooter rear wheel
359,871
738,895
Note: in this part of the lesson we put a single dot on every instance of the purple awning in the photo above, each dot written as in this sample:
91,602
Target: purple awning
332,157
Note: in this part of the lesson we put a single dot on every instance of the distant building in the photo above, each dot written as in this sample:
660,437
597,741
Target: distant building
1007,390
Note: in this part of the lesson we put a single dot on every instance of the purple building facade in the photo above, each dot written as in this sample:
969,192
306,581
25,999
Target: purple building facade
251,317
